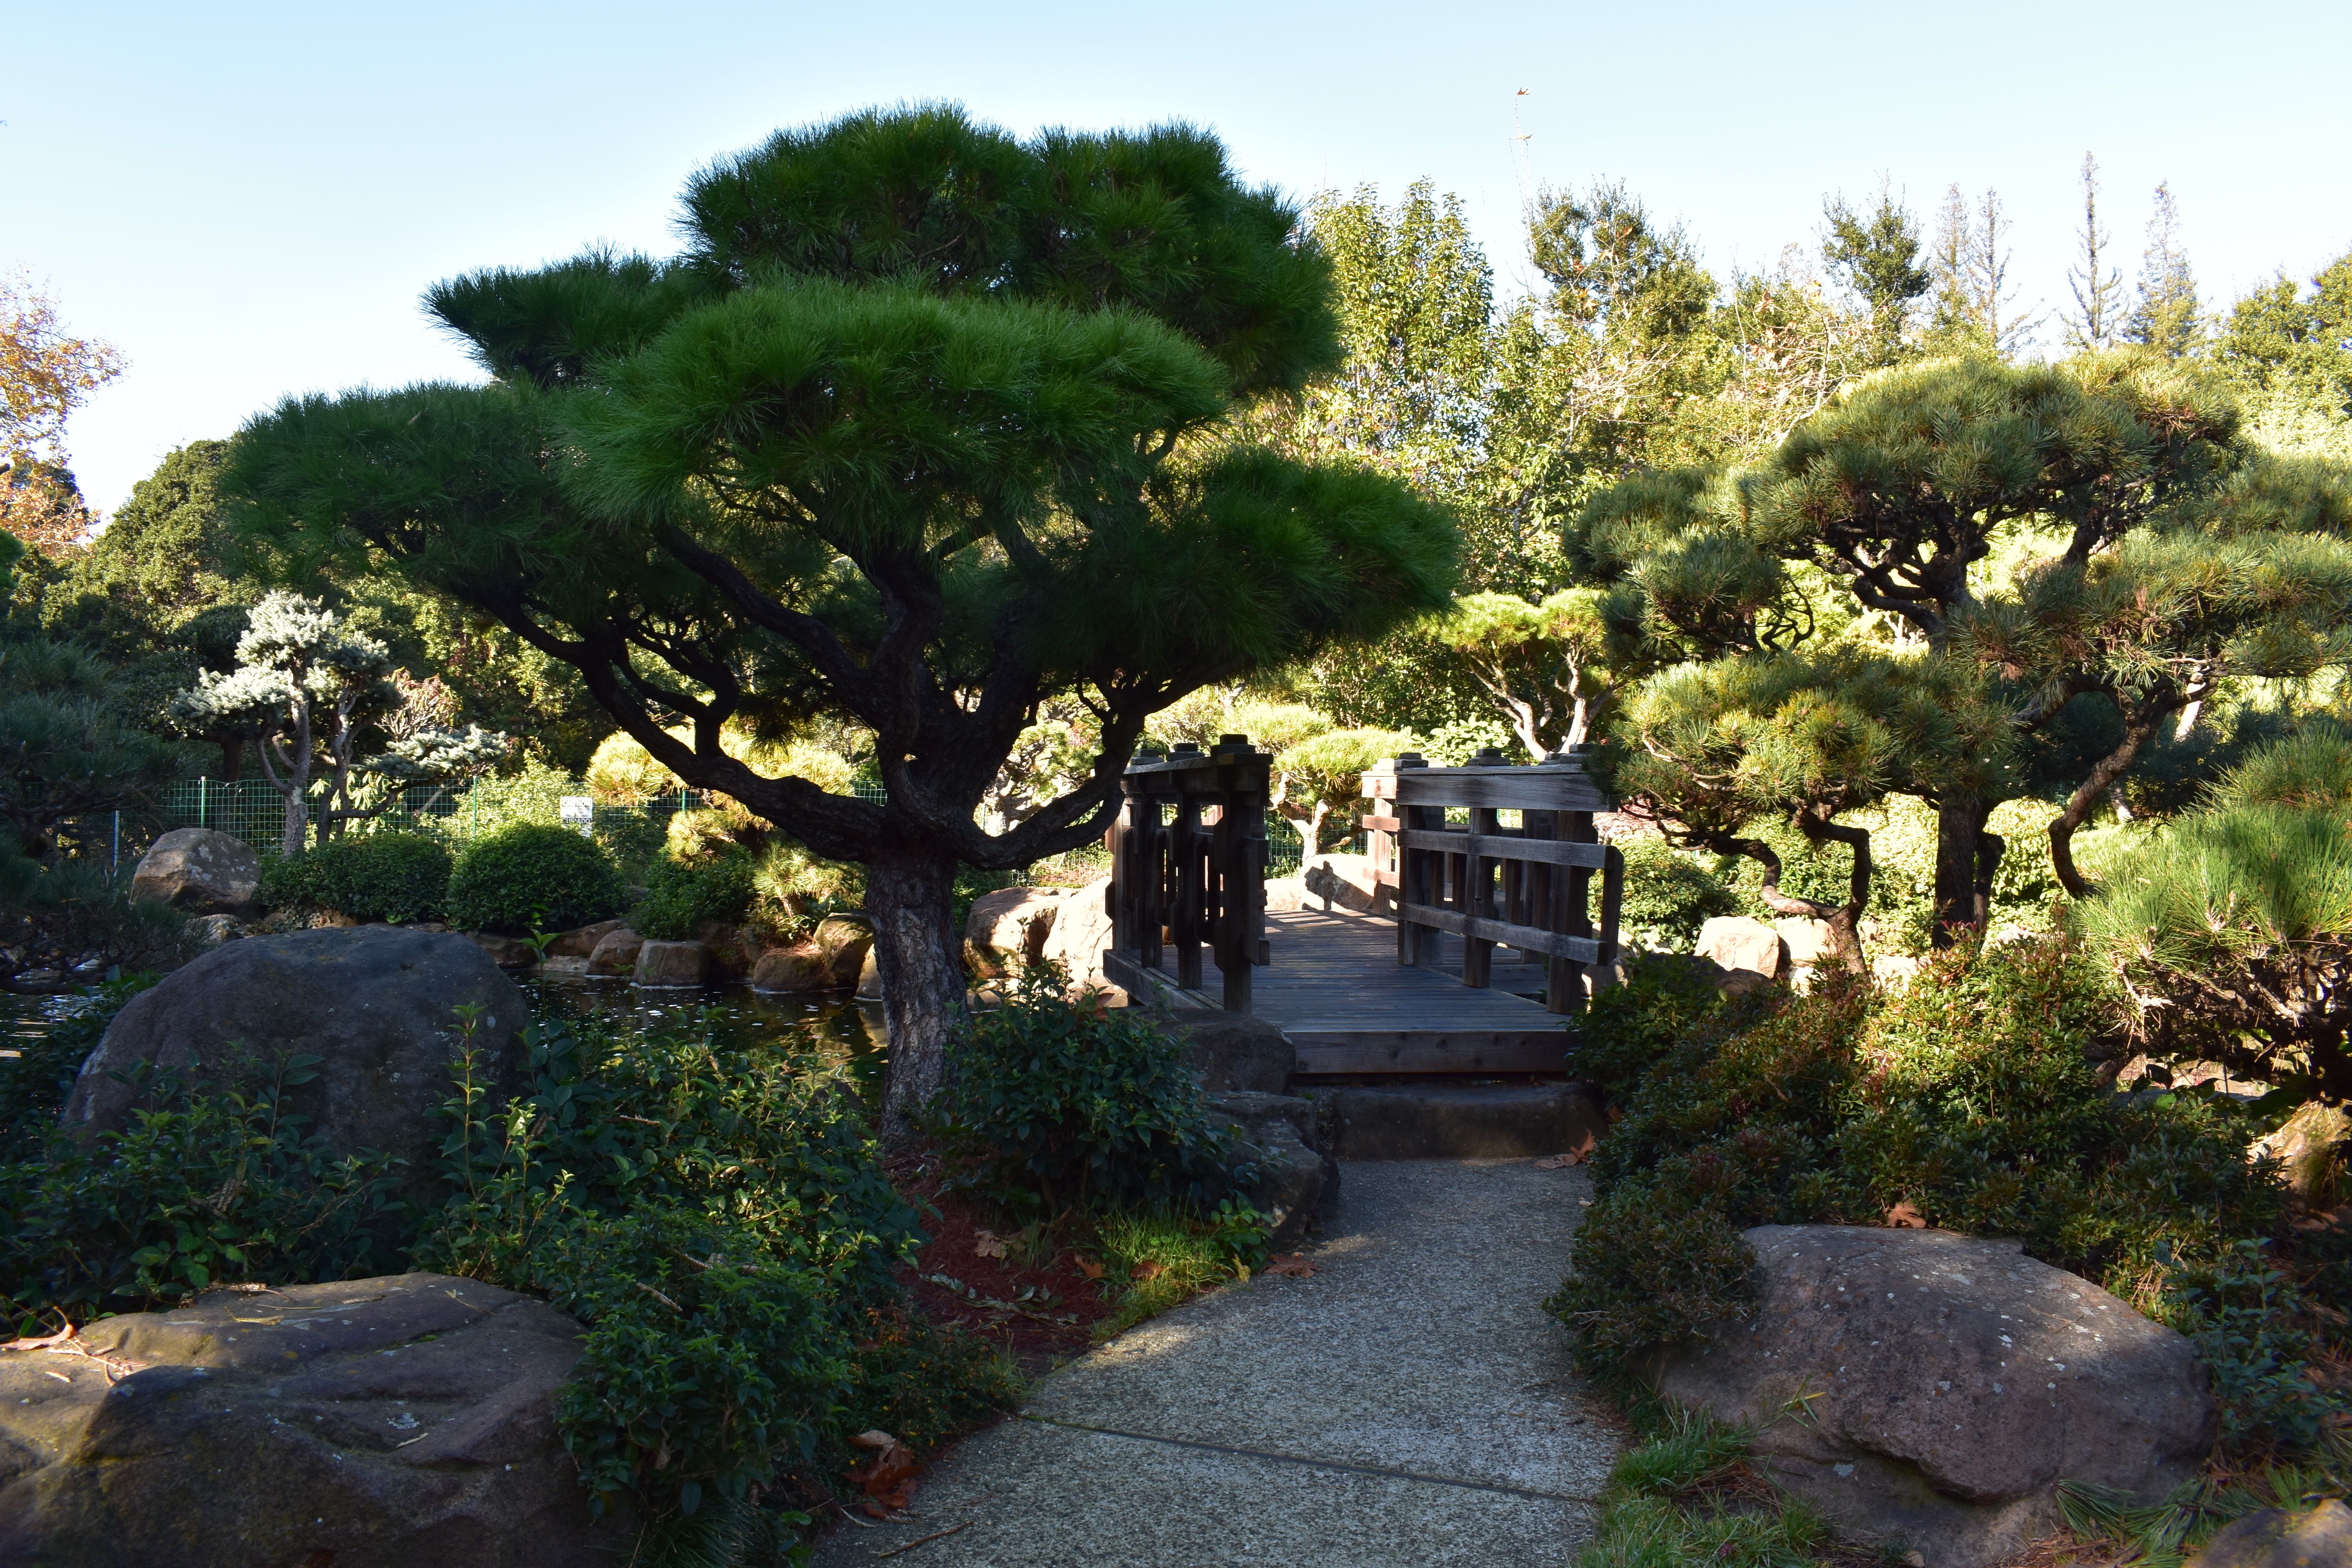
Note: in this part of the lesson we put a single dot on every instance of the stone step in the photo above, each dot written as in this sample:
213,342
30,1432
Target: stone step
1455,1120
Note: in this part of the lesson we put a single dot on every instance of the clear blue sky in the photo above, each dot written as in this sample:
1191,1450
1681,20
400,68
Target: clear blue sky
248,199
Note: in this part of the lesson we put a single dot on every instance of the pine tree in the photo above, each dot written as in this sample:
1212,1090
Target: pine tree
2097,288
1877,256
2166,316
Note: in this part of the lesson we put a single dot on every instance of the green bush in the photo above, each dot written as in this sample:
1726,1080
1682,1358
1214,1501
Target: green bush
716,1214
205,1186
1974,1096
1668,895
1054,1104
685,895
528,877
369,876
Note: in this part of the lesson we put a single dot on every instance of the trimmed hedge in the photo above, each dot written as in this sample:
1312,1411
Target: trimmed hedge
369,876
530,877
685,895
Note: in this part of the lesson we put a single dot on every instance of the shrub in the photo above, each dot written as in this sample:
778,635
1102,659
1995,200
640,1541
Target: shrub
1056,1104
1973,1095
61,913
685,895
528,876
716,1214
1668,895
205,1186
369,876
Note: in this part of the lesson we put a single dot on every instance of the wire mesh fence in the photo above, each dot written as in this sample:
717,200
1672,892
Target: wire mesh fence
253,811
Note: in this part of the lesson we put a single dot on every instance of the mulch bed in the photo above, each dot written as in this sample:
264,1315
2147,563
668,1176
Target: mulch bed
1055,1319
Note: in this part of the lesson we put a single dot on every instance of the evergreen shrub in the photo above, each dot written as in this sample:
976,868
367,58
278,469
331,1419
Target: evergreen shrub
531,876
682,896
1054,1103
1975,1095
394,877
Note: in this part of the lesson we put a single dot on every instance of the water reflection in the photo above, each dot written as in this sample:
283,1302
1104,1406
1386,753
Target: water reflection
831,1024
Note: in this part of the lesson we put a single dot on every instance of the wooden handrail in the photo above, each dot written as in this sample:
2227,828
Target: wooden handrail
1188,858
1527,888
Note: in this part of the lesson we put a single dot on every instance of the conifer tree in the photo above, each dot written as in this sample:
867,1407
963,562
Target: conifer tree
2095,321
926,427
2166,316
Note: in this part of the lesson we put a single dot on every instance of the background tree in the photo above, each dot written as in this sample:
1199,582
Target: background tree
2283,340
1542,664
925,429
2098,288
44,374
1322,776
1876,255
2166,316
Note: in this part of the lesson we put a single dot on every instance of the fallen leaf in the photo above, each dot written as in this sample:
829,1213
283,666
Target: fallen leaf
988,1244
888,1479
1903,1217
1090,1268
1290,1266
1575,1156
1149,1268
1616,1113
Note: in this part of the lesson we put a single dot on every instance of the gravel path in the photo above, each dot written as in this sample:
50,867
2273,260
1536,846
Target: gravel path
1411,1404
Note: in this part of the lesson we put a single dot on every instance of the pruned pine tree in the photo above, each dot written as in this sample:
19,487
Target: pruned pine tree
1899,490
314,691
1322,776
1544,664
2097,320
925,428
1711,749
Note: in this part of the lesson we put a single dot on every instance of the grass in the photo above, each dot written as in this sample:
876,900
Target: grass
1686,1495
1168,1258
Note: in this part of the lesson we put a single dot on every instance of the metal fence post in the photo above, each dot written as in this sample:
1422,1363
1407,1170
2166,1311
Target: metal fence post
117,841
201,782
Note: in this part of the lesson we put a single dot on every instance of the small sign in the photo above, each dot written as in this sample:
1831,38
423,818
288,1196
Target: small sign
578,811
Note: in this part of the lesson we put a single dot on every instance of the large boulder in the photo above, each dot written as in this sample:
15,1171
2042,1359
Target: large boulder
1936,1388
580,942
1233,1050
2310,1147
202,870
378,1004
1741,942
1081,934
2318,1537
1007,927
371,1424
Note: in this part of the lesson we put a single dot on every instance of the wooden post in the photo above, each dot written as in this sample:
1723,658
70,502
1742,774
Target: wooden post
1478,889
1421,876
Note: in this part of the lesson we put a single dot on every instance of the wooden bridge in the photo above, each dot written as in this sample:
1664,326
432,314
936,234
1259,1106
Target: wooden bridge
1474,961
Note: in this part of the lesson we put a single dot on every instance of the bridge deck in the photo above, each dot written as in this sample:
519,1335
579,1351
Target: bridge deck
1335,987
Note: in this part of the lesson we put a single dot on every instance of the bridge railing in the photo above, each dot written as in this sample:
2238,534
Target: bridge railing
1188,858
1527,885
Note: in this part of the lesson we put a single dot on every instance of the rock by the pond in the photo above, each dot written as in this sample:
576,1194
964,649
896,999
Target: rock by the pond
203,871
869,977
844,940
1009,925
1081,934
1740,941
1293,1177
615,953
793,969
580,942
672,963
377,1003
1946,1385
2318,1537
371,1424
507,953
1234,1050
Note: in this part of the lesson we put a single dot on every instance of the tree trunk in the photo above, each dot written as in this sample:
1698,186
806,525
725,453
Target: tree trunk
2102,777
1959,820
914,950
